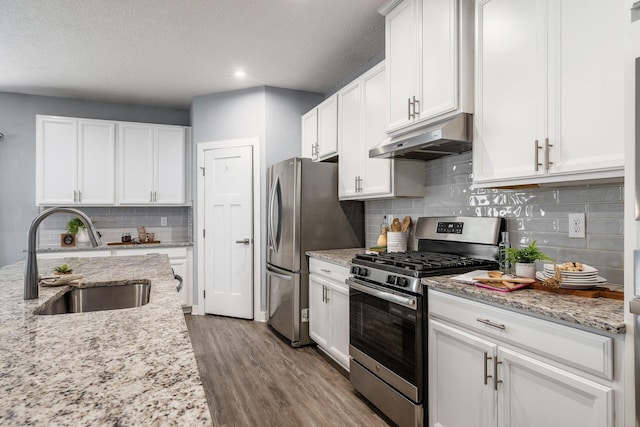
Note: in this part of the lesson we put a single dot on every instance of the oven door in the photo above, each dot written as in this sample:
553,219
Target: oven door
385,332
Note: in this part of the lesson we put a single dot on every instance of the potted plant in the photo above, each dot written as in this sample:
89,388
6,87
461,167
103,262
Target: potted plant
76,226
524,259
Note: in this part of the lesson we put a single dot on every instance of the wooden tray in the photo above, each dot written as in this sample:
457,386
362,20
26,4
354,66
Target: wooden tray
595,292
133,243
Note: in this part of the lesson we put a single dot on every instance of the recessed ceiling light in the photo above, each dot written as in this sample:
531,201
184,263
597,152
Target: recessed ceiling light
239,74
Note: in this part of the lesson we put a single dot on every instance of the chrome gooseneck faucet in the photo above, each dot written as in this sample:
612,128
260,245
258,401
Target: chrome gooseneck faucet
31,277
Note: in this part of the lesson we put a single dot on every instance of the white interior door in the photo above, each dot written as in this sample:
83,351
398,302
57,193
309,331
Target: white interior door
228,225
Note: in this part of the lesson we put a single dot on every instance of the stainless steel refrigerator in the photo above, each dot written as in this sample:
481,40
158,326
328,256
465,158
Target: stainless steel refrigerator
304,214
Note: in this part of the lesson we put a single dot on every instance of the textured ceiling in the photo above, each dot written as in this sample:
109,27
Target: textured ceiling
165,52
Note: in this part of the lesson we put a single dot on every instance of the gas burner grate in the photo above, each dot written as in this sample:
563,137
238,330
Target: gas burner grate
421,261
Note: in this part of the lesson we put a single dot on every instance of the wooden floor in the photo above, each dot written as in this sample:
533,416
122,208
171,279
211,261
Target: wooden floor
253,378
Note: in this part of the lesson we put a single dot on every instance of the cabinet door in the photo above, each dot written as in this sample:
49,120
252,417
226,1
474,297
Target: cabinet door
318,329
376,172
510,88
309,134
349,140
400,53
56,160
533,393
339,303
328,128
586,85
169,165
135,167
459,366
439,58
96,162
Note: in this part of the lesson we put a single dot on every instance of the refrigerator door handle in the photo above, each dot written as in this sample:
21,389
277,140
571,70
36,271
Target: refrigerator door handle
278,275
271,225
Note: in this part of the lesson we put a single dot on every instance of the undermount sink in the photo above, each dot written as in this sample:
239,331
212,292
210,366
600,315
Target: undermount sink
109,297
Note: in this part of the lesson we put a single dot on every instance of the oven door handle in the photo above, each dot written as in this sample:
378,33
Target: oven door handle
409,302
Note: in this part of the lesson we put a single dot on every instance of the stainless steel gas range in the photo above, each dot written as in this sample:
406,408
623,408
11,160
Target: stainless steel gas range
388,309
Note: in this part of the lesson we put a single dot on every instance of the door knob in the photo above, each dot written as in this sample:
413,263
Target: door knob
244,241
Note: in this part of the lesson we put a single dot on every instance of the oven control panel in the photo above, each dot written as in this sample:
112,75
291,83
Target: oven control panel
359,271
400,281
449,227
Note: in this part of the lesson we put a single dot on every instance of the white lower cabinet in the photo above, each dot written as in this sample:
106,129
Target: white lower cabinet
329,309
479,377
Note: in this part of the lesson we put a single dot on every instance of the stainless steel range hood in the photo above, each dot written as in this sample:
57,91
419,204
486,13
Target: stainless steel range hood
451,136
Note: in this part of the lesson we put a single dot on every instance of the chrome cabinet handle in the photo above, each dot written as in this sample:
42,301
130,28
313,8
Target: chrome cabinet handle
547,148
151,196
75,196
325,270
496,381
486,369
416,102
490,323
409,116
537,163
326,295
244,241
79,196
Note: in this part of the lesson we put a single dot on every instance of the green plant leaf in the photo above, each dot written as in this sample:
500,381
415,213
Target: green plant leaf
527,254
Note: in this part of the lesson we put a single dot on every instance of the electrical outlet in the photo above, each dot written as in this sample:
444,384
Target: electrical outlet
576,226
163,221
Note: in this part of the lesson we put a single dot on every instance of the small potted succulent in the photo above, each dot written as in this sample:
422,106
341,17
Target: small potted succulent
524,259
63,269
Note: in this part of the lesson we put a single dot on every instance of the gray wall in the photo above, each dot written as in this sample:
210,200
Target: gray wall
271,114
17,153
539,214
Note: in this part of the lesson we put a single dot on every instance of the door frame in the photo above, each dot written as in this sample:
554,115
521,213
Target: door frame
202,147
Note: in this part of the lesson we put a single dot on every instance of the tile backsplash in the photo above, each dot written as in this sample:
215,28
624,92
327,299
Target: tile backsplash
539,214
111,222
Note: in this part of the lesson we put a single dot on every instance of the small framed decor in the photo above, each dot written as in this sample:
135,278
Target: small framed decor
67,240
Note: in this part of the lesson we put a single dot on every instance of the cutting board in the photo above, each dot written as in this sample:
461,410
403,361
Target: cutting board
587,293
133,243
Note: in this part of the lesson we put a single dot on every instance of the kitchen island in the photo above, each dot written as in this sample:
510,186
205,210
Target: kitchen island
117,367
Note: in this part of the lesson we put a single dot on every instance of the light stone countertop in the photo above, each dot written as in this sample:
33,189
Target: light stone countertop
595,313
106,247
117,367
337,256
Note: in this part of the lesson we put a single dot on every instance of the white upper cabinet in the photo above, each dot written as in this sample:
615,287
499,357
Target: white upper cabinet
361,126
309,133
75,161
429,61
151,164
320,130
549,91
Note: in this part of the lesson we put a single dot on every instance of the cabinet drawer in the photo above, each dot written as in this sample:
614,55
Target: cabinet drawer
583,350
328,270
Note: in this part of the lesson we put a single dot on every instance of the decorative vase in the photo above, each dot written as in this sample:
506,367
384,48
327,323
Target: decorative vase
82,236
526,269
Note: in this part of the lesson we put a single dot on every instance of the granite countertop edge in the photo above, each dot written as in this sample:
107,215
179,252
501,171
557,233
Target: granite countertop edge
131,366
596,314
106,247
340,257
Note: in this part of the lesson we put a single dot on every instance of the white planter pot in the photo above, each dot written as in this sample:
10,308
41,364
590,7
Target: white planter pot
82,236
525,269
